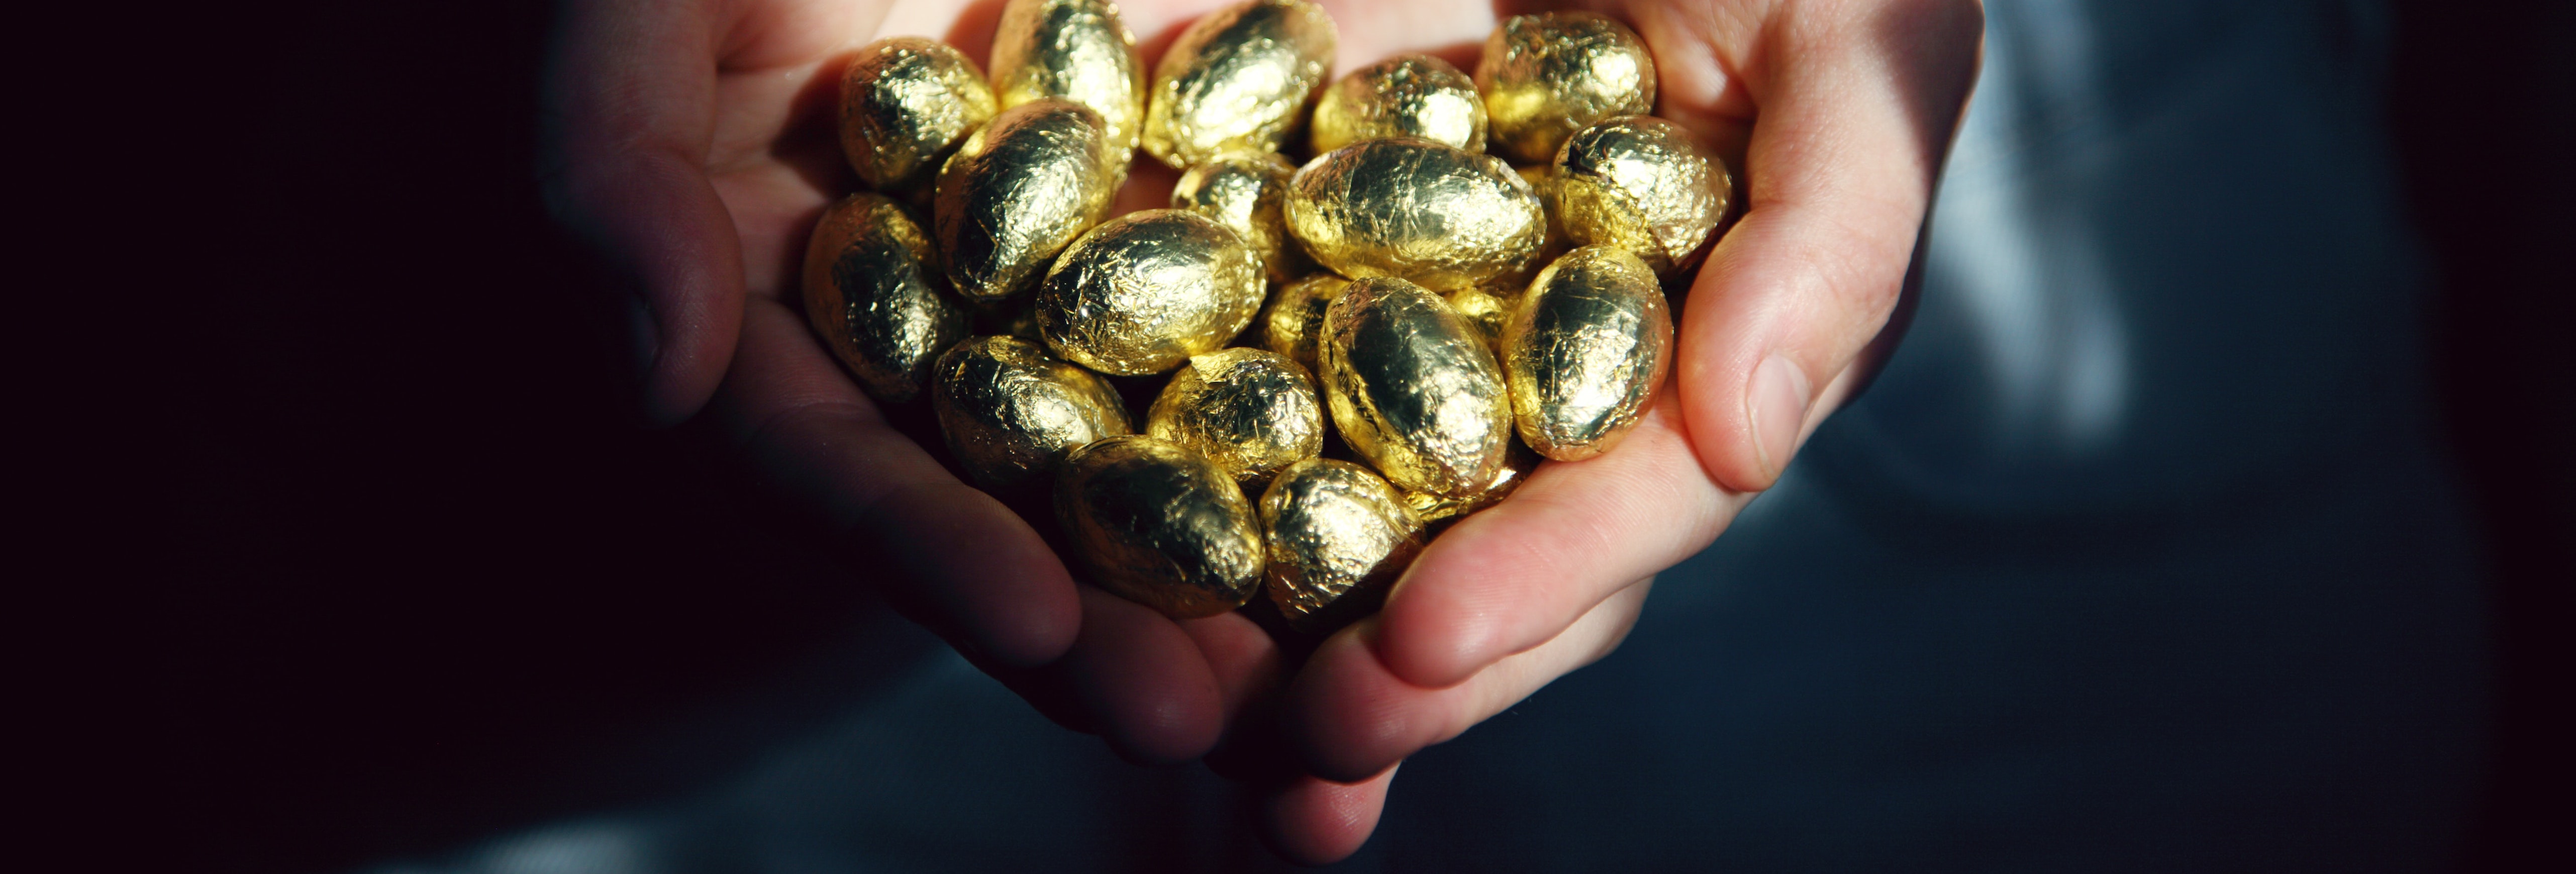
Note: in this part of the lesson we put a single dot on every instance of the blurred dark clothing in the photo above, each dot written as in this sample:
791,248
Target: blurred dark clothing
2144,553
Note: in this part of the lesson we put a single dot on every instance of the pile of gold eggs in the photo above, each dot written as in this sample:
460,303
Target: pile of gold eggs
1353,351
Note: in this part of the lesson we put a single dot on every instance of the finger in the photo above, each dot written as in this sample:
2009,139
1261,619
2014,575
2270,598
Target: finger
1853,113
1349,717
1319,822
1514,576
956,560
629,111
1147,688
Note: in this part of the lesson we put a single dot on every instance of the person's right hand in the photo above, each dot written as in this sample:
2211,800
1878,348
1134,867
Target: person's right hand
690,145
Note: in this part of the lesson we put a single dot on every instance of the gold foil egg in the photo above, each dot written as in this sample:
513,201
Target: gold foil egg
872,289
1418,210
1416,96
1159,525
1642,184
1009,410
1414,389
1337,536
1246,192
1252,411
1143,292
1483,311
1016,193
1585,351
906,104
1239,77
1546,76
1077,50
1542,181
1296,318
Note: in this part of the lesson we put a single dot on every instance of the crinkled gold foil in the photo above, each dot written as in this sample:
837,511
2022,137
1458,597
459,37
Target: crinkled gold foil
873,291
1438,512
1010,411
1159,525
906,104
1078,50
1252,411
1645,185
1485,312
1296,318
1337,536
1143,292
1239,78
1247,192
1585,352
1416,96
1016,193
1542,181
1546,76
1418,210
1414,389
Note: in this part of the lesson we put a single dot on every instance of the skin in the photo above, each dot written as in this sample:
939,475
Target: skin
690,145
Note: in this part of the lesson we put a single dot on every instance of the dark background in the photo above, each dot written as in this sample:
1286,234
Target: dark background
426,582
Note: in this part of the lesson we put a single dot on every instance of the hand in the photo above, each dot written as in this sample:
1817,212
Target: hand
691,145
1836,117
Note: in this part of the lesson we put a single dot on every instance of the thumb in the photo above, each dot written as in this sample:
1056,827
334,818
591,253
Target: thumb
629,111
1854,111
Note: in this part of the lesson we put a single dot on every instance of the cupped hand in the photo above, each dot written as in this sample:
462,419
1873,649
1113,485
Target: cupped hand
1835,116
690,145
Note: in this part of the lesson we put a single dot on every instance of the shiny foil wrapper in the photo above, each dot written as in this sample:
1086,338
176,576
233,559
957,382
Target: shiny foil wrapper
1542,181
1337,537
1546,76
1438,512
1252,411
1414,389
1296,318
1010,411
1077,50
1143,292
1159,525
1239,78
1418,210
1645,185
1483,311
906,104
1016,193
1586,351
874,292
1417,96
1247,192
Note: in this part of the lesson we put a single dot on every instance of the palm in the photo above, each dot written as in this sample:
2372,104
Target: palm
1839,175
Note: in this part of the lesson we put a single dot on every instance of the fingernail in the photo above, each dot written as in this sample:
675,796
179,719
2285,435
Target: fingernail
1777,402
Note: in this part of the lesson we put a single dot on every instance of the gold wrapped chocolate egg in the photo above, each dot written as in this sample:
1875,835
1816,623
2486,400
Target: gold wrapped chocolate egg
1018,192
1485,312
1252,411
1416,96
1009,410
1414,389
1239,78
1585,351
1546,76
1642,184
1337,536
1418,210
1143,292
1077,50
872,290
906,103
1542,181
1159,525
1246,192
1296,318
